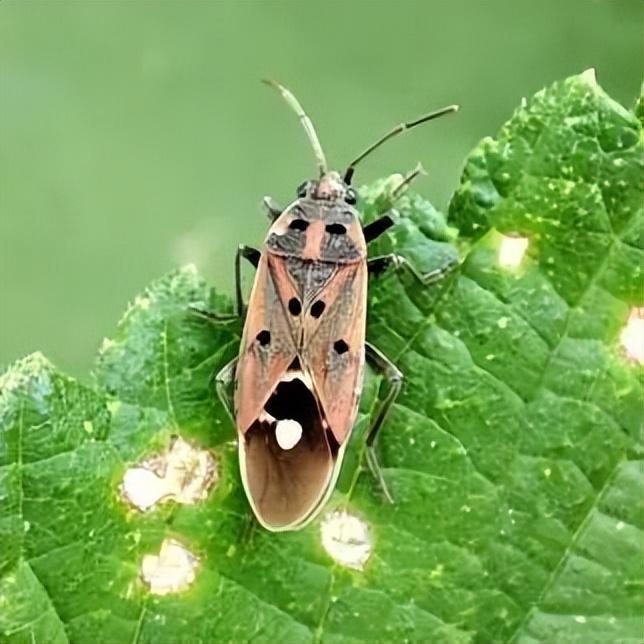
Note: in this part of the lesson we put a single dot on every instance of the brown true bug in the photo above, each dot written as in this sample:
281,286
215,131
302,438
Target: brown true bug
298,377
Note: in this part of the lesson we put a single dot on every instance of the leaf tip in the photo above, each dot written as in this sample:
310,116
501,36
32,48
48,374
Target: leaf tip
589,76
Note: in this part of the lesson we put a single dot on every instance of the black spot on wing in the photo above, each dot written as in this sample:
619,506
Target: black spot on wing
317,308
264,337
340,347
294,306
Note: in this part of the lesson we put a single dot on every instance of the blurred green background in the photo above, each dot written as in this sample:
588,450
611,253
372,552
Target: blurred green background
135,136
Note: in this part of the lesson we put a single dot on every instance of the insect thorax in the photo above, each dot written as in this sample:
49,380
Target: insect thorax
318,230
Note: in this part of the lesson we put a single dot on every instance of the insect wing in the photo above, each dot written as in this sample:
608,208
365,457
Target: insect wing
267,347
334,347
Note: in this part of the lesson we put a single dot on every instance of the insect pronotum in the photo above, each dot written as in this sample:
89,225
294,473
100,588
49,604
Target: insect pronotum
298,376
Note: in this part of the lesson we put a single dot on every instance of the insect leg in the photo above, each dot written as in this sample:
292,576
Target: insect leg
252,255
377,265
272,209
376,228
223,382
394,378
215,318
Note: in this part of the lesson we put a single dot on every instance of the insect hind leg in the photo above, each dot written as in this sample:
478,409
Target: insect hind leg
394,378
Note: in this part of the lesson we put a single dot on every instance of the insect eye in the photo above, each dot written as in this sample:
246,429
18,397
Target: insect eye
336,229
299,224
351,196
302,188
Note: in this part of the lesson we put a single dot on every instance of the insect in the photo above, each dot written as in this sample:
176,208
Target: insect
298,376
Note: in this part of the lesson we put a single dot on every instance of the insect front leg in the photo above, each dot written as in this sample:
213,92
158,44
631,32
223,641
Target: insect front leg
394,378
377,227
252,255
224,383
378,265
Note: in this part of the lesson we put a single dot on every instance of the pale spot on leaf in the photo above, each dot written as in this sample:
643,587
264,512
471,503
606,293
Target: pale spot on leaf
182,474
632,336
172,571
511,251
346,538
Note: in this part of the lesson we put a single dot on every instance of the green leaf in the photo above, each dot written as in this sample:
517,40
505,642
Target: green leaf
514,453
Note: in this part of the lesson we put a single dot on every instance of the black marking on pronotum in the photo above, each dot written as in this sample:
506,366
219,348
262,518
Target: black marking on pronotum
336,229
299,224
317,308
340,347
294,306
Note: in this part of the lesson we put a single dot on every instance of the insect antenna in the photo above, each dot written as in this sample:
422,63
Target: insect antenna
306,123
348,173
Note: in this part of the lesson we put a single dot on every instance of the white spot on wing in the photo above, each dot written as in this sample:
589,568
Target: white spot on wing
183,474
172,571
288,433
346,538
